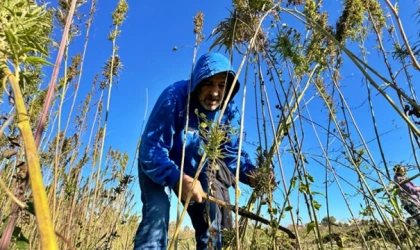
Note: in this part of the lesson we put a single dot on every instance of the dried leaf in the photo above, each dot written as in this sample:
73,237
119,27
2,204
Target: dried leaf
8,153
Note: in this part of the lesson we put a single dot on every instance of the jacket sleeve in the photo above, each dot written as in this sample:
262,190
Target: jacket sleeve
157,141
231,147
409,187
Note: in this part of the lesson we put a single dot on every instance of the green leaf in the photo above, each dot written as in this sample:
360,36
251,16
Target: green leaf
37,60
377,190
288,208
203,125
275,211
317,206
294,182
306,161
315,192
25,50
22,244
35,44
395,192
11,40
274,223
310,226
311,178
37,10
394,214
4,51
394,201
303,189
11,11
20,240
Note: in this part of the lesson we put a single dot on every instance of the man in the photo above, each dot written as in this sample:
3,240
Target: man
160,153
409,193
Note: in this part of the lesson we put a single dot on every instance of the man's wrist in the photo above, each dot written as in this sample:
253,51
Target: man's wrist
173,178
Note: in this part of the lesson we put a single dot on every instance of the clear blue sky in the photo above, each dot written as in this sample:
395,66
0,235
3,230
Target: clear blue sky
154,28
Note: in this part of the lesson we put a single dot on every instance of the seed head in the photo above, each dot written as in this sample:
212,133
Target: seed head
198,26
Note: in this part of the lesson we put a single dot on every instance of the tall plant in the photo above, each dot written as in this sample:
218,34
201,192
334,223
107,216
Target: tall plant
24,38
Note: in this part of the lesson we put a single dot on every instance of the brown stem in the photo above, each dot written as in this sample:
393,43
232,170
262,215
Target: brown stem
65,240
51,88
8,231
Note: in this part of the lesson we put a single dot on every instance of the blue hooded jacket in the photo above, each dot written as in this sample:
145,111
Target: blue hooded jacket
161,143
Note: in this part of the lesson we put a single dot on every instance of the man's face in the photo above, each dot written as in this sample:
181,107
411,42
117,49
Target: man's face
212,91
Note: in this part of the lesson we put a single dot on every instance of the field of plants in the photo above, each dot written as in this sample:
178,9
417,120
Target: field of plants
333,96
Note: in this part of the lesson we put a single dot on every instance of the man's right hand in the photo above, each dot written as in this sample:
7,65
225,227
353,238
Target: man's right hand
187,182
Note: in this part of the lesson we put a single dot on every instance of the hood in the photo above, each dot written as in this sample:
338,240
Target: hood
211,64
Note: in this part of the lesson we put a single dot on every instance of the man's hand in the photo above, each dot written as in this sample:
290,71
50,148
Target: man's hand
257,175
187,182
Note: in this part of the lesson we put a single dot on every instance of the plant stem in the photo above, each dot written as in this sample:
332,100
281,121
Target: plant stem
42,210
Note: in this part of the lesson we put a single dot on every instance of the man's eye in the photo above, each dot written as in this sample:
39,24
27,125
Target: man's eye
221,85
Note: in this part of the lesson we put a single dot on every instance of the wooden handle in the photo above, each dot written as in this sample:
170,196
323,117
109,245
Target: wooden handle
246,213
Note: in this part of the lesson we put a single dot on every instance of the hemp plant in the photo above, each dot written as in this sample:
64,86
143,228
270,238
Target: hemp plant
110,71
23,41
213,138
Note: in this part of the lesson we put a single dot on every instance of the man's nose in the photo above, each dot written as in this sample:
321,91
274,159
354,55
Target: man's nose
215,91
